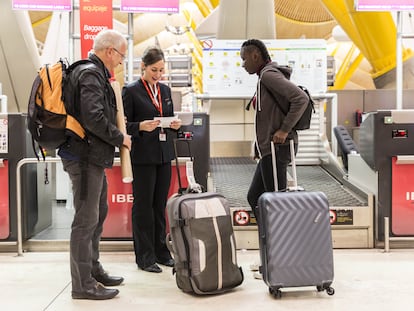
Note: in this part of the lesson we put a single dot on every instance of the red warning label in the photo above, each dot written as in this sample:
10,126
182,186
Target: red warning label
241,218
341,217
332,216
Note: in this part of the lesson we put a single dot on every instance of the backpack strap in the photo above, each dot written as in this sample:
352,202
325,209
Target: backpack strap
42,152
271,94
84,158
304,89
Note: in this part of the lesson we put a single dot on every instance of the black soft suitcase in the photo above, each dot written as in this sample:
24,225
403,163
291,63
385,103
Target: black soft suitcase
295,239
201,240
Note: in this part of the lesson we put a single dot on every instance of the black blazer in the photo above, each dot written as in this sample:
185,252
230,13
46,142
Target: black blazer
146,146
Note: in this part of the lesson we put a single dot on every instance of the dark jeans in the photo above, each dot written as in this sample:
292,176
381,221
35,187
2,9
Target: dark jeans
87,224
263,176
150,188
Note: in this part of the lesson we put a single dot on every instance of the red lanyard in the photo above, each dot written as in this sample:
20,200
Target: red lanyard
155,101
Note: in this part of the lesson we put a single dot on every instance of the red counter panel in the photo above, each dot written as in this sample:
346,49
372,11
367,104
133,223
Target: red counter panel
402,198
118,223
4,201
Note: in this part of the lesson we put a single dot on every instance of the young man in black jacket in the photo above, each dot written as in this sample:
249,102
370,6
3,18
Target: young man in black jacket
275,93
97,115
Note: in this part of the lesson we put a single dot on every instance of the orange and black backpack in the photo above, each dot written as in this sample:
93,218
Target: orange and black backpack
48,120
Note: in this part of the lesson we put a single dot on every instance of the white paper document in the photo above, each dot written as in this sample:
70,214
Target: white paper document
165,121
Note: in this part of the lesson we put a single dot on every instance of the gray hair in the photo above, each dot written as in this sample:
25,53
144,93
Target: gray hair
108,38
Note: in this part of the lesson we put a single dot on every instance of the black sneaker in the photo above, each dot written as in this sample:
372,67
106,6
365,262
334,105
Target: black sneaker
152,268
169,262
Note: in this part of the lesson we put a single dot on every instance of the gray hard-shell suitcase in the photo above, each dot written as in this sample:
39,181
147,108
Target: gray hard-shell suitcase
201,240
295,239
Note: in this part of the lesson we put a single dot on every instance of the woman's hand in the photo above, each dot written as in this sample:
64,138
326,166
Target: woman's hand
175,124
148,125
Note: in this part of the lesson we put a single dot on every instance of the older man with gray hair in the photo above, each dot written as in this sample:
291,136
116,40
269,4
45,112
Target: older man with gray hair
89,88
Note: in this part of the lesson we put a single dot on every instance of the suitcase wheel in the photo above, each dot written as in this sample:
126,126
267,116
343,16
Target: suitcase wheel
277,293
329,290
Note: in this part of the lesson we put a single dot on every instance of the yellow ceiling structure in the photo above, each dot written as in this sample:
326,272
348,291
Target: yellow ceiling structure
294,19
309,11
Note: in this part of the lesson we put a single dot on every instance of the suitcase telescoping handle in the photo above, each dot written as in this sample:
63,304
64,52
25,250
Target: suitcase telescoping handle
274,167
180,186
293,162
193,186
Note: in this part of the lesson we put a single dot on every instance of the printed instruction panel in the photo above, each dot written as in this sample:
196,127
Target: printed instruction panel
3,134
223,74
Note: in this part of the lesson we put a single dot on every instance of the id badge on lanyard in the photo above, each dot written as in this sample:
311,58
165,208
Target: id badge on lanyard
162,135
155,96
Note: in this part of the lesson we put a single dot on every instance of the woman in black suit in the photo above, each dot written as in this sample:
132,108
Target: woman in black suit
151,154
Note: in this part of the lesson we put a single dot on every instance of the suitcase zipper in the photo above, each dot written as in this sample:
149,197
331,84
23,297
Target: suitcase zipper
219,249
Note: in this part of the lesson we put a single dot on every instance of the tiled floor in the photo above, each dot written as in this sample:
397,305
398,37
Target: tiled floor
364,280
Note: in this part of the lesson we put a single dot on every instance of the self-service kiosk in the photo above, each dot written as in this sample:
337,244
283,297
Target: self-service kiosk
36,186
198,130
387,146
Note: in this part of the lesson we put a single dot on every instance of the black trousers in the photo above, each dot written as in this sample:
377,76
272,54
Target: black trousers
150,188
263,176
87,225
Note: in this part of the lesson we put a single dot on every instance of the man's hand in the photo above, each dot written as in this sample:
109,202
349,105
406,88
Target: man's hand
127,141
279,137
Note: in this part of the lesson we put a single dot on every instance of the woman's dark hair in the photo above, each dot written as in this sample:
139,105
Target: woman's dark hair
260,46
152,55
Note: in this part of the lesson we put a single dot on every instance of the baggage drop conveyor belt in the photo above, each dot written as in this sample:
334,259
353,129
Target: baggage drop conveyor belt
351,214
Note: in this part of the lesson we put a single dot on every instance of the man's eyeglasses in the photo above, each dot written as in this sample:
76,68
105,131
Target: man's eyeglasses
122,55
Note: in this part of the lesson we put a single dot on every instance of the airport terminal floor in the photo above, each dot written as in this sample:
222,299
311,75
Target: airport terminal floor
365,280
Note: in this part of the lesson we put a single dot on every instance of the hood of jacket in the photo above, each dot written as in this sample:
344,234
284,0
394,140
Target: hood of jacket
285,70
